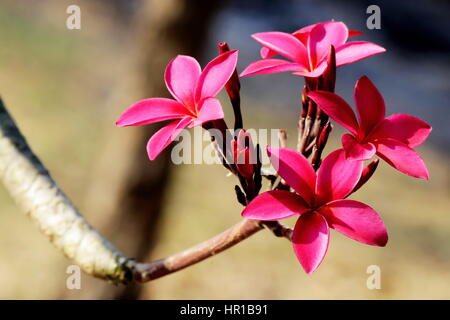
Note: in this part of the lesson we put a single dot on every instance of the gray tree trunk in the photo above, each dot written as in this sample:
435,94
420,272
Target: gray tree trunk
162,30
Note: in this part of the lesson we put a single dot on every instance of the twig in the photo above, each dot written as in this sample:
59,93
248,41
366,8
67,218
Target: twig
143,272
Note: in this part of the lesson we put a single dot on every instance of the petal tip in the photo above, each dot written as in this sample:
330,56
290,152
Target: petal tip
364,77
381,49
256,35
271,150
310,271
121,122
382,240
233,53
422,175
244,73
151,155
310,268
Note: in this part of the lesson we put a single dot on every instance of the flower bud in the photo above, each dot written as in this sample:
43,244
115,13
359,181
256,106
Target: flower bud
244,154
367,173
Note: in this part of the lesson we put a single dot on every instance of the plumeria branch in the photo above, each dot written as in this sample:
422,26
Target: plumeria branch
320,196
245,228
30,185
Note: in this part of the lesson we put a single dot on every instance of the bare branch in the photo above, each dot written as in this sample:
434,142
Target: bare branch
148,271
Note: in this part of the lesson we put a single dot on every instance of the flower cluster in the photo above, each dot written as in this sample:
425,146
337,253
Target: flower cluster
315,190
308,49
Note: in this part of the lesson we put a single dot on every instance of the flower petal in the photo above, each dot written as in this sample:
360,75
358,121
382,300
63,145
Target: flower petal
336,108
209,109
216,74
337,177
354,33
310,240
150,111
369,105
275,205
355,51
355,150
356,220
401,157
306,30
295,169
268,66
164,136
284,44
404,128
181,76
303,34
318,71
266,53
322,36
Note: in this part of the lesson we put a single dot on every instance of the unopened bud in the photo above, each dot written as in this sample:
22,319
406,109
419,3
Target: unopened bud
324,134
367,173
329,75
233,87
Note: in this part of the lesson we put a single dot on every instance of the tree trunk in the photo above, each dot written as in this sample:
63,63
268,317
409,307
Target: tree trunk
163,29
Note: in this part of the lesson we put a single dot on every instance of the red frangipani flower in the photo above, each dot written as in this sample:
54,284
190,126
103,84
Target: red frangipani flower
320,202
391,138
194,91
308,49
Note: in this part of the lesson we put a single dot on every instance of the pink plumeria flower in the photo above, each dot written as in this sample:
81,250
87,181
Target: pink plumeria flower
320,202
194,91
308,48
392,138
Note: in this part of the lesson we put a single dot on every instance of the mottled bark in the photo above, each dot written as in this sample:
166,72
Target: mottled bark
33,189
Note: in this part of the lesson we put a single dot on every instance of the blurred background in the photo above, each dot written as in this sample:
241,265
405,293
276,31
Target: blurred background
66,88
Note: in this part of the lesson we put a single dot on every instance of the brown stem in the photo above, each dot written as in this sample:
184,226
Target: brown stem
301,121
143,272
278,229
